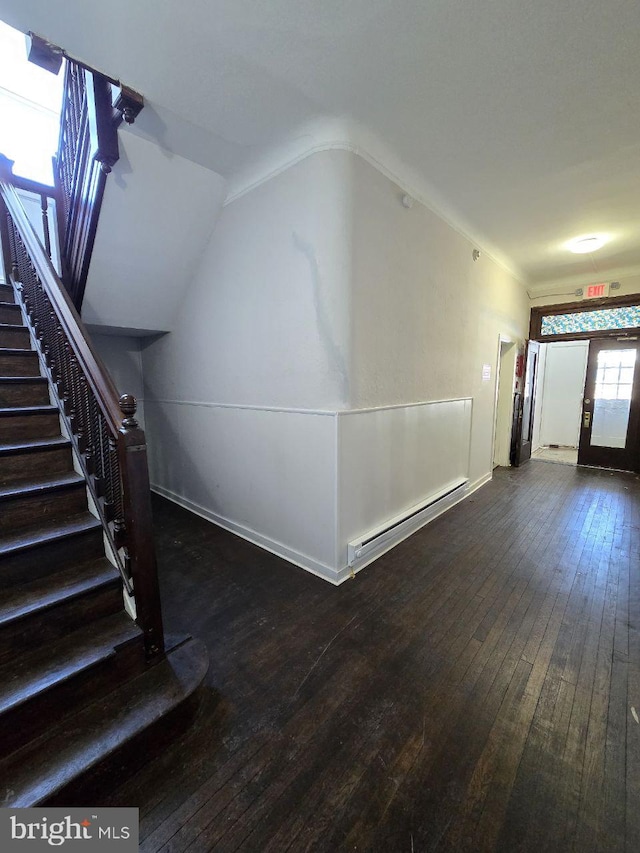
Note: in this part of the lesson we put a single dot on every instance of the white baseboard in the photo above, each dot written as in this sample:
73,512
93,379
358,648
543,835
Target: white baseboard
479,483
348,571
327,573
302,560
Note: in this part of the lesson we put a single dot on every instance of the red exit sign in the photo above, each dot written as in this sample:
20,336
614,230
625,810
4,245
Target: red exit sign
596,291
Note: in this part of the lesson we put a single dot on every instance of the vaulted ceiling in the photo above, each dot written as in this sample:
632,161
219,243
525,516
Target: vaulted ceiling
519,121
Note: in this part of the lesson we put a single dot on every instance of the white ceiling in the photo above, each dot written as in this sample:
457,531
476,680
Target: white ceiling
521,119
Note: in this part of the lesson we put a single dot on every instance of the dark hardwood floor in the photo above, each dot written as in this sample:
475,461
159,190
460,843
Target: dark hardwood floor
477,688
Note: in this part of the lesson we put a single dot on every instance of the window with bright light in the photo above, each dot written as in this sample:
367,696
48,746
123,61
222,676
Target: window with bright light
612,398
30,102
614,377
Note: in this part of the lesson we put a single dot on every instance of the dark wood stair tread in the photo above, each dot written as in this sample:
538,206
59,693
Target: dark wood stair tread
44,533
10,309
77,696
31,674
19,380
28,410
20,352
41,485
20,601
81,742
14,336
33,445
12,326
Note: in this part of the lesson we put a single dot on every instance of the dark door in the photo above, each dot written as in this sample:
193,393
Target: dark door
524,428
610,427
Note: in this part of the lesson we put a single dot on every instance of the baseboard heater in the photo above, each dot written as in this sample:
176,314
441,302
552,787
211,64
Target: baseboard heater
381,539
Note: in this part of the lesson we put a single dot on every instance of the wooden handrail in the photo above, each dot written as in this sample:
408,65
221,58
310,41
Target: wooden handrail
34,187
108,441
46,192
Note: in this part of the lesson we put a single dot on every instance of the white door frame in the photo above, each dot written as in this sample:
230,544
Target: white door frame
502,427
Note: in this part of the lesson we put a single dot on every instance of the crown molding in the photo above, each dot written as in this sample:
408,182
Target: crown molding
343,136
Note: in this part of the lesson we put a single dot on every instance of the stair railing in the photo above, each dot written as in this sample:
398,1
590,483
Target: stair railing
102,425
47,197
93,106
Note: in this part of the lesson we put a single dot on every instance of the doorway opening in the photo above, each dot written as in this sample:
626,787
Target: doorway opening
505,380
558,406
587,404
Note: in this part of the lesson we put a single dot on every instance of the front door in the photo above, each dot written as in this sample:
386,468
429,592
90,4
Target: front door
610,426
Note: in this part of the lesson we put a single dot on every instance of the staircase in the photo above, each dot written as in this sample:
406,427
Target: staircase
79,691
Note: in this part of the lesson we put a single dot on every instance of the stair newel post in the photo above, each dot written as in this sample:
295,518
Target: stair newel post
132,454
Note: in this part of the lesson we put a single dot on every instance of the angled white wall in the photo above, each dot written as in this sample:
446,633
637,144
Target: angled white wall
332,364
122,356
240,397
156,219
266,319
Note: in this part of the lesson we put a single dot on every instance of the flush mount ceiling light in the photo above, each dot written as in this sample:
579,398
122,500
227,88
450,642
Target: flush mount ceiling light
588,243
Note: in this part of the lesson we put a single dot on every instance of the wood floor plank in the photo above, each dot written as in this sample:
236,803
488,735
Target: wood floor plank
470,690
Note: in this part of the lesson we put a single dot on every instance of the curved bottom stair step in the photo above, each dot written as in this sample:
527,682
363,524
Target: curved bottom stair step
66,675
93,740
34,673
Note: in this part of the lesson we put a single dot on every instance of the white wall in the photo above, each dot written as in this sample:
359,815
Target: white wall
426,317
296,399
157,216
267,475
123,359
264,326
266,319
562,392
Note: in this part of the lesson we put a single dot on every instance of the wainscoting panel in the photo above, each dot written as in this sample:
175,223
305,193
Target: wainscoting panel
267,475
392,461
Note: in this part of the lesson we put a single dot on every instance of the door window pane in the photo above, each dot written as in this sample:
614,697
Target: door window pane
612,399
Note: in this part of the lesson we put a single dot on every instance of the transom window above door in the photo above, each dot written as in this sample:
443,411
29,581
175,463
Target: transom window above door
602,318
591,321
